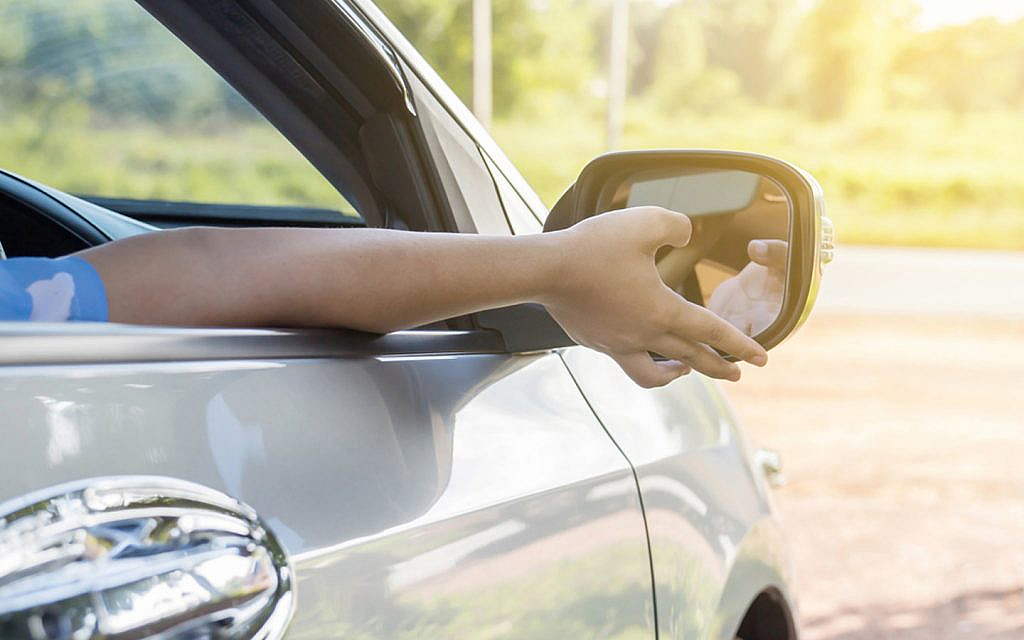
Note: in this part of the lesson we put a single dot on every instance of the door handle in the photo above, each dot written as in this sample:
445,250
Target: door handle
135,557
769,462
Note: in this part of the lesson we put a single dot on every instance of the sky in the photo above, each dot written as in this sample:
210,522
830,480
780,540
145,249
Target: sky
941,12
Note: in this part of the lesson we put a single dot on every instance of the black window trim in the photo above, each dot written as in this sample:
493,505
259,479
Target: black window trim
417,65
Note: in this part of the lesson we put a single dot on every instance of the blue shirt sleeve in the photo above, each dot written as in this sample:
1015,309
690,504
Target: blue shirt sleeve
51,290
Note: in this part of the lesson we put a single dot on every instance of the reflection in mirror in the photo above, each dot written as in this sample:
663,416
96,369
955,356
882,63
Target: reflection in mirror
737,259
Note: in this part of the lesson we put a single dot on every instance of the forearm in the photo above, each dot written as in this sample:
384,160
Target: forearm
369,279
597,279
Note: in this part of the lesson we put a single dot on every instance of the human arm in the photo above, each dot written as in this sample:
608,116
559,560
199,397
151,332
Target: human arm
597,279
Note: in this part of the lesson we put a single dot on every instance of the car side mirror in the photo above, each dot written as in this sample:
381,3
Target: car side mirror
759,239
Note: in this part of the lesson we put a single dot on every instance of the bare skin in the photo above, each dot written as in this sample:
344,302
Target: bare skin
597,279
752,299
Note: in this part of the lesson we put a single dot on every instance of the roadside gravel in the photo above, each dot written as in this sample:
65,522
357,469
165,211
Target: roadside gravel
902,437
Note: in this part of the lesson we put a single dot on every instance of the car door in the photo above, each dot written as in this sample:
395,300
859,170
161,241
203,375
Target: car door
422,486
707,512
429,483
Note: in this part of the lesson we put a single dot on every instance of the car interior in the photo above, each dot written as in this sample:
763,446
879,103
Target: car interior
25,231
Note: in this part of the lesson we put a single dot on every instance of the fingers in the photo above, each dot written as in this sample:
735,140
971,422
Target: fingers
646,372
699,356
672,228
695,323
769,253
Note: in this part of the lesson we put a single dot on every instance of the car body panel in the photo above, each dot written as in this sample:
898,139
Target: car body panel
760,568
702,498
416,494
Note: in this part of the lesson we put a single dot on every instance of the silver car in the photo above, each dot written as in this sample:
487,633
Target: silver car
478,478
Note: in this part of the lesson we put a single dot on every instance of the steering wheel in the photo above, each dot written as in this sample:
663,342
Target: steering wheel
38,221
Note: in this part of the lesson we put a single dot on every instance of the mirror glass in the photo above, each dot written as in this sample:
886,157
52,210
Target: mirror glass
738,258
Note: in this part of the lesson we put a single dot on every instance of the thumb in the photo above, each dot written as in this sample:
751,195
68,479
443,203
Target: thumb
669,228
769,253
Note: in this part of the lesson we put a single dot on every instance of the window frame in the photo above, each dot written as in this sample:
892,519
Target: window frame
294,110
342,107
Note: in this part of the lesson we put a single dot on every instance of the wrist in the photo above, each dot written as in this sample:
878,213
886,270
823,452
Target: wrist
548,257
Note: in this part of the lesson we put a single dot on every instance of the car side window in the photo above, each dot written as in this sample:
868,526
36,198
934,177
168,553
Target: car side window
99,99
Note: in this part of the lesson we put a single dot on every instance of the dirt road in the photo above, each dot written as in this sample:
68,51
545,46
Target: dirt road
902,436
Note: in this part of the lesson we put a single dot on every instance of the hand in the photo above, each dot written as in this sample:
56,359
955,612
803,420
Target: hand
611,298
752,299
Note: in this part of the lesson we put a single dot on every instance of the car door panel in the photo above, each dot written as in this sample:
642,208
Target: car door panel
700,496
417,494
507,549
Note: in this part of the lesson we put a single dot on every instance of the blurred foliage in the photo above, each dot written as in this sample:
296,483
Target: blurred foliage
912,132
914,177
99,98
907,130
843,53
541,51
110,59
973,67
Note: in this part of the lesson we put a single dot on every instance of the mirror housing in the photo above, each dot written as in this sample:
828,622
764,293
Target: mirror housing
600,186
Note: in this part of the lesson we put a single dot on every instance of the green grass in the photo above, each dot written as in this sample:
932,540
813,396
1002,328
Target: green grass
914,178
238,164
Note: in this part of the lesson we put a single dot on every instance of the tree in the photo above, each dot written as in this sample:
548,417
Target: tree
540,49
753,39
979,65
846,48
